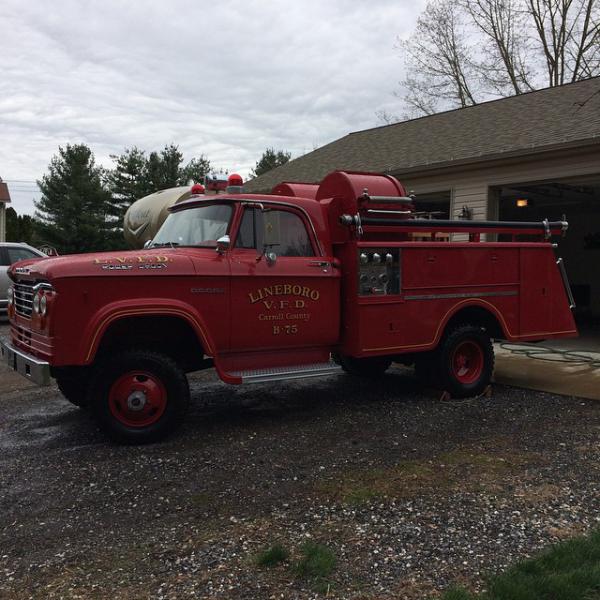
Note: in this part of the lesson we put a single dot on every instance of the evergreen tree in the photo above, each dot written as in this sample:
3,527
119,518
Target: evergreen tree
136,175
194,171
19,228
163,169
127,181
72,213
269,160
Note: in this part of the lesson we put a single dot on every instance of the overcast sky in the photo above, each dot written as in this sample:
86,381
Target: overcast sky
225,79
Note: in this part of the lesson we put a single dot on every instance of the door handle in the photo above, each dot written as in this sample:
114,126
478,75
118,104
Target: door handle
318,263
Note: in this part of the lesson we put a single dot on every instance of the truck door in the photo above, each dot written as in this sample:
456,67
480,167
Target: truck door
287,301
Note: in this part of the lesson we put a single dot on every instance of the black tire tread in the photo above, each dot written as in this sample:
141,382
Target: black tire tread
74,389
451,338
177,388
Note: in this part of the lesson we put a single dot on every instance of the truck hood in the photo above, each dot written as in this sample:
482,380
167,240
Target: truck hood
163,261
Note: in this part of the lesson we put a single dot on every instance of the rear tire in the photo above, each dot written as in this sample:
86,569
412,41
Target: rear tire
139,396
365,367
465,361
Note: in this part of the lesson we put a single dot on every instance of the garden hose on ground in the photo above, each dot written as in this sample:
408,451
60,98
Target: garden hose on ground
576,357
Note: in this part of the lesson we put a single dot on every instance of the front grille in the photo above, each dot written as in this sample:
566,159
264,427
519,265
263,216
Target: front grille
23,298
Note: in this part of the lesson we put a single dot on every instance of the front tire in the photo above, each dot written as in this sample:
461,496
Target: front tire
139,396
74,387
465,361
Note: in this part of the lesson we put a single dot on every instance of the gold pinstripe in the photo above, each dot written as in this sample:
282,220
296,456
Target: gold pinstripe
145,311
469,301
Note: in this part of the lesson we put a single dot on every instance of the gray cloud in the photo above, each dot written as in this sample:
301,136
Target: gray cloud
224,79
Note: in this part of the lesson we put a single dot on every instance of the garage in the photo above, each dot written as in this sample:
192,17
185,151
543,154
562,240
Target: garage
579,201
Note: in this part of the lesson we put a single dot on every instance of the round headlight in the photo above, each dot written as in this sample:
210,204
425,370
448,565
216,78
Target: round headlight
36,303
10,295
43,305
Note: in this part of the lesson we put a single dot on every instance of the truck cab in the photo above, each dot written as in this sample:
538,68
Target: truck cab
307,281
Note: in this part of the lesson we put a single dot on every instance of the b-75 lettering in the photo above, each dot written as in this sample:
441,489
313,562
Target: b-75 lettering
285,329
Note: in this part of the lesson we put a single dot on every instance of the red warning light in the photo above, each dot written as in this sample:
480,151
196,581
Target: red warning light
235,179
197,188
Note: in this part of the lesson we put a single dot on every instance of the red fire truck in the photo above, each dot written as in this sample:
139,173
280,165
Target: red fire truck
303,282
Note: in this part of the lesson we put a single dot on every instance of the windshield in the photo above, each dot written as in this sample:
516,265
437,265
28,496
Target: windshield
201,226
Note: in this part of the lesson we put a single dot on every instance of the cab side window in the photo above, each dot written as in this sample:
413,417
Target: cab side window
294,239
15,254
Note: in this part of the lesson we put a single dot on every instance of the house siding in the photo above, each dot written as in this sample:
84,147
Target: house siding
473,187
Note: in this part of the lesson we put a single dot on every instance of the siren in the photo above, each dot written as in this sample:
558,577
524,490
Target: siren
197,188
235,184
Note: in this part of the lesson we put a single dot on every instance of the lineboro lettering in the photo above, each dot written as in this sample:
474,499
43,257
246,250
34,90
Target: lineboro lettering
284,289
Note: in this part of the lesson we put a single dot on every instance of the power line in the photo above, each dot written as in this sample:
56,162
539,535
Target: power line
19,181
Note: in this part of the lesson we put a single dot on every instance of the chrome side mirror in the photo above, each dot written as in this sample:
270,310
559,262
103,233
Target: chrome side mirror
223,244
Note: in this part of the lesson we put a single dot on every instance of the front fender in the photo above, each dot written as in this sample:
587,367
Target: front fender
110,313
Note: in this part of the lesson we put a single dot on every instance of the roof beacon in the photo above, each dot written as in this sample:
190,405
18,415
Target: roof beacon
235,184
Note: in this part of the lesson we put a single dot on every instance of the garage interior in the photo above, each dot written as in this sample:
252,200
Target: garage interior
579,200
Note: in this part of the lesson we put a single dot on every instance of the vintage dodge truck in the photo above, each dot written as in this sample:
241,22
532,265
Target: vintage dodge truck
303,282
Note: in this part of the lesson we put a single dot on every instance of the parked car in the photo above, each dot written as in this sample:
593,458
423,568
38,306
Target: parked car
11,252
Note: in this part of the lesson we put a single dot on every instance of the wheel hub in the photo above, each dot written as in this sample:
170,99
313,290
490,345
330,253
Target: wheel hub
467,362
136,401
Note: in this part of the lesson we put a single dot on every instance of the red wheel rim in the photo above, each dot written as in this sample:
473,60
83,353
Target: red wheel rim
137,399
467,362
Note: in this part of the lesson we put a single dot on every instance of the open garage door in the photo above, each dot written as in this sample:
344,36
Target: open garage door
580,250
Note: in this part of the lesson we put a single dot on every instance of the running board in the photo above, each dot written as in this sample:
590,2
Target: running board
287,373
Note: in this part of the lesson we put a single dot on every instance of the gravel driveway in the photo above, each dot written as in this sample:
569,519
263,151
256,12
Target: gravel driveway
410,493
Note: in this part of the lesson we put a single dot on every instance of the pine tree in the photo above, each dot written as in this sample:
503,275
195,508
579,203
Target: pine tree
136,175
72,212
269,160
128,181
163,169
19,228
194,171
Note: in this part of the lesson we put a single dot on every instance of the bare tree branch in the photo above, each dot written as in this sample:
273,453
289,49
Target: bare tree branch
439,60
501,24
465,51
568,33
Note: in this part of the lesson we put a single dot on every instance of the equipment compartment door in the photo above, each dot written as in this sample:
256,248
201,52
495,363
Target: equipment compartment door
292,302
536,292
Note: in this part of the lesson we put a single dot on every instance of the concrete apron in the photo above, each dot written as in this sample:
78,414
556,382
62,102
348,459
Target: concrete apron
536,367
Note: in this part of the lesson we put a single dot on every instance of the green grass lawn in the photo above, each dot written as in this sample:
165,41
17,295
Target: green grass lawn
567,571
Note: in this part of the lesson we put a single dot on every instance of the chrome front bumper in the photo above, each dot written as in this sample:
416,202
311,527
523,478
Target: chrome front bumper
30,367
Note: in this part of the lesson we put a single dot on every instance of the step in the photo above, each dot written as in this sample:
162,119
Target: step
287,373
